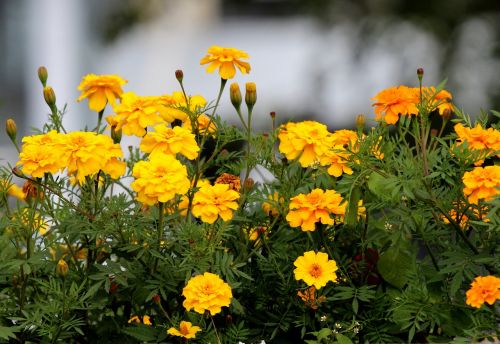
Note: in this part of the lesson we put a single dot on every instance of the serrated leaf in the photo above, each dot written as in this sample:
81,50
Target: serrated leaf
456,282
8,332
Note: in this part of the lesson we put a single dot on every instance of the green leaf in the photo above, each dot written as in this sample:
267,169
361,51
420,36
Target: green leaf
8,332
142,333
351,216
394,265
456,282
342,339
324,333
355,305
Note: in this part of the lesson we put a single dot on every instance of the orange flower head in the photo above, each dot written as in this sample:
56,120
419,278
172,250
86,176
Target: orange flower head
479,139
226,59
483,289
210,202
207,292
229,179
171,141
186,330
100,90
317,206
482,183
315,269
395,101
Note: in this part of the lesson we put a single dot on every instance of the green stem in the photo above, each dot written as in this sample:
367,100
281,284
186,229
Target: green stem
215,329
159,233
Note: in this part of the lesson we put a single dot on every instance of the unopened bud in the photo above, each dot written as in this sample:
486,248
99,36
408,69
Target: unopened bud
224,153
235,95
62,268
434,132
272,114
179,75
49,96
156,298
360,121
248,184
116,134
11,129
17,172
420,73
43,75
250,94
446,114
31,191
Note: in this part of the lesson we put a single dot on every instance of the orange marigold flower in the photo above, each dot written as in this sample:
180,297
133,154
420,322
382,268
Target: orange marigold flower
100,90
159,180
483,289
441,100
395,101
477,138
226,59
231,180
482,183
186,330
207,292
316,206
309,141
166,140
210,202
315,269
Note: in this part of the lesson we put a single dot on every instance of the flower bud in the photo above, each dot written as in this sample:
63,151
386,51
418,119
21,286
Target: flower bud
11,129
156,298
49,96
17,172
62,268
446,114
272,114
31,191
116,134
250,94
420,73
235,95
179,75
248,184
43,75
360,121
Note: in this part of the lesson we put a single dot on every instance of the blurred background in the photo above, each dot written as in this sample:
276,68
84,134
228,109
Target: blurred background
314,59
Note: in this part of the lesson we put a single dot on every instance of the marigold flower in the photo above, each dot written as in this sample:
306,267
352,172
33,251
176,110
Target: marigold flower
309,141
135,113
255,233
479,139
159,179
87,153
207,292
482,183
205,125
12,189
171,141
174,106
146,320
483,289
229,179
316,206
395,101
210,202
100,90
441,100
186,330
42,154
315,269
62,268
226,59
270,207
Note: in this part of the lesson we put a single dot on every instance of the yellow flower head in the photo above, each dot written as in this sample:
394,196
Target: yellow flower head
315,269
226,59
100,90
316,206
87,153
205,125
186,330
270,207
483,289
42,154
176,105
441,101
207,292
159,179
395,101
135,113
210,202
477,138
309,141
12,189
171,141
482,183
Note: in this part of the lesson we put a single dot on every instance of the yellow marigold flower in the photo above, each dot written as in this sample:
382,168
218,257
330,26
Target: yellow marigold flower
315,269
159,179
229,179
482,183
146,320
309,141
337,159
62,268
270,207
42,154
171,141
12,189
310,299
256,232
477,138
395,101
441,100
205,125
483,289
134,319
87,153
210,202
135,113
100,90
186,330
226,59
207,292
316,206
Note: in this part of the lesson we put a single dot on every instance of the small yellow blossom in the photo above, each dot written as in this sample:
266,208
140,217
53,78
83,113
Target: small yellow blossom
315,269
207,292
270,207
186,330
100,90
226,59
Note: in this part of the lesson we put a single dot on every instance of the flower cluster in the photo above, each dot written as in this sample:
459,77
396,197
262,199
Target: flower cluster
207,292
317,206
483,289
482,183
